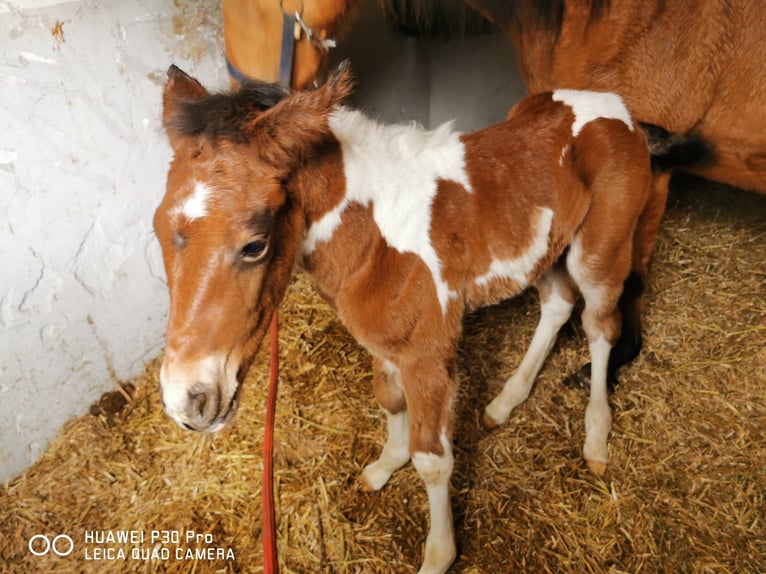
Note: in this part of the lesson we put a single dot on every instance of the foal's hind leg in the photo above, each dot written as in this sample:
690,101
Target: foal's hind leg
599,277
388,389
629,342
556,301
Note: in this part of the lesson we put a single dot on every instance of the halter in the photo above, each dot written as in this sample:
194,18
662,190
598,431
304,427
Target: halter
293,25
287,47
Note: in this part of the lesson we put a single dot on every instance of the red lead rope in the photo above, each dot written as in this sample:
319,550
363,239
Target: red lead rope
270,563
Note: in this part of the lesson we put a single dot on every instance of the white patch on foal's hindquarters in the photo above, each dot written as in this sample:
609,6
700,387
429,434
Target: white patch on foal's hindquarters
518,269
396,169
589,106
195,206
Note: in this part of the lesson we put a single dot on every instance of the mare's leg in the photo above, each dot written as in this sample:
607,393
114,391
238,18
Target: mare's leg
628,345
556,301
629,342
387,385
430,390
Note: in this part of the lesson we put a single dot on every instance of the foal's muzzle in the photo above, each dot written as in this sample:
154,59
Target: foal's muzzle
198,395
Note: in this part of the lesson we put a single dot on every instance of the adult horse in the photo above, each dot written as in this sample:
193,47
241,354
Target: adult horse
688,65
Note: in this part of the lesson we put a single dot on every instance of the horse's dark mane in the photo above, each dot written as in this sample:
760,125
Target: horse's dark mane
223,115
443,17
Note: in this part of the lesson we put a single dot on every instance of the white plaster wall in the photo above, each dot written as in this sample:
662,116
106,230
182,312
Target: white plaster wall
82,166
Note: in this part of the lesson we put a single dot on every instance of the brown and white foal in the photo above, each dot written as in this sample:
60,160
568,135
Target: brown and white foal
403,231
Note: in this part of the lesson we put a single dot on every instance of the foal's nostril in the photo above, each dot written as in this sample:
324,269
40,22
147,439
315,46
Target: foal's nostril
187,426
197,403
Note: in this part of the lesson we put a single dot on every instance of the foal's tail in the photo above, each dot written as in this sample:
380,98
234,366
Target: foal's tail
670,150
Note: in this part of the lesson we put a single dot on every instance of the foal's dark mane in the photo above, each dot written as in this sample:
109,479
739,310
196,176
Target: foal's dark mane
224,115
445,17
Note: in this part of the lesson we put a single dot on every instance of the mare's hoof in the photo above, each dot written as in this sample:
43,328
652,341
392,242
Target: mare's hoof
597,467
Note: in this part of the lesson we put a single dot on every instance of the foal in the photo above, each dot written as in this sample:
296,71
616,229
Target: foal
403,230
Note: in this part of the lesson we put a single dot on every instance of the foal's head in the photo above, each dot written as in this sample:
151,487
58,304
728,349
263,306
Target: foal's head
229,230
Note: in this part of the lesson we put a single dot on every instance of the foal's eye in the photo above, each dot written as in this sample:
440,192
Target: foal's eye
255,250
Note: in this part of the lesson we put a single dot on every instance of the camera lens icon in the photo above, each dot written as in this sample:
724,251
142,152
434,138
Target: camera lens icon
61,545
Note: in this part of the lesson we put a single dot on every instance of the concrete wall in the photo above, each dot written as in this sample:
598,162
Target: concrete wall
82,167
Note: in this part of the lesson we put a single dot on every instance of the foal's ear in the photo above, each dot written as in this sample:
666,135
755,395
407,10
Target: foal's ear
290,129
179,88
341,81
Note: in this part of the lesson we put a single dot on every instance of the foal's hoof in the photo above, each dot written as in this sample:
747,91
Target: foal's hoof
364,484
597,467
374,477
489,423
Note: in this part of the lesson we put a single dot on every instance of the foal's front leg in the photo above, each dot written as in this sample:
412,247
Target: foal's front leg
387,385
430,391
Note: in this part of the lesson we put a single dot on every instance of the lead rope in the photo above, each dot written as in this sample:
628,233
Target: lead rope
270,562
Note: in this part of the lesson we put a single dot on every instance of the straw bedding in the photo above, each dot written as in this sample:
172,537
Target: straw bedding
684,491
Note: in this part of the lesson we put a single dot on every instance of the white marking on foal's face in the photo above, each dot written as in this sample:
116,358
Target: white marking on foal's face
203,283
519,268
589,106
396,169
195,206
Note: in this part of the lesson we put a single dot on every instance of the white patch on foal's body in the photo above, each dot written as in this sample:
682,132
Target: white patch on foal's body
589,106
518,269
195,206
396,169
